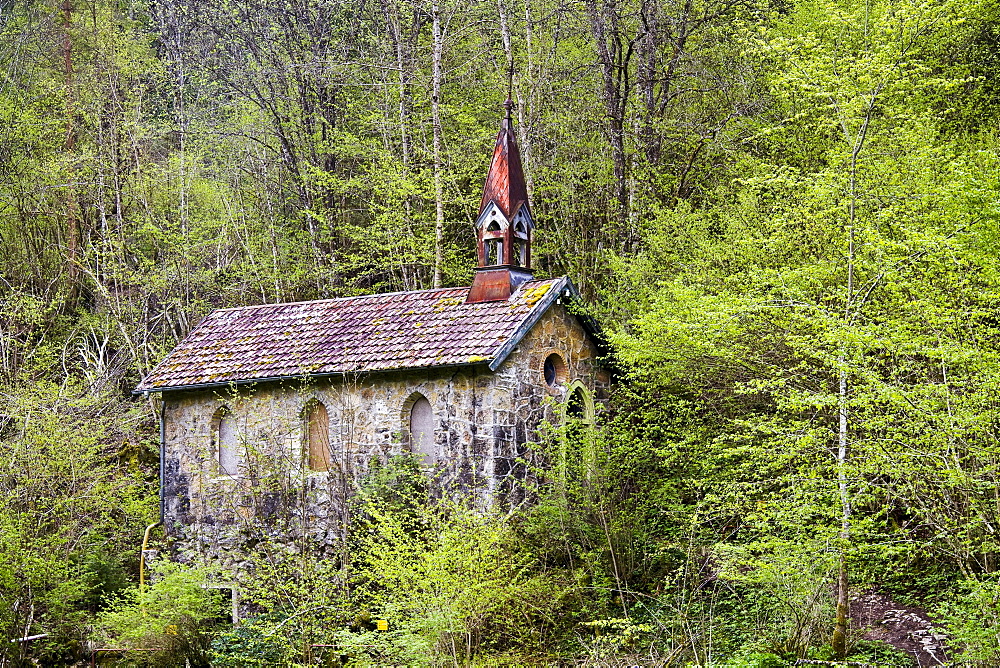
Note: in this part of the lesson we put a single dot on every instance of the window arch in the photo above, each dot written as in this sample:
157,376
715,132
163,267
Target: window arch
578,446
493,246
519,253
316,429
575,405
420,428
520,246
579,403
554,370
225,442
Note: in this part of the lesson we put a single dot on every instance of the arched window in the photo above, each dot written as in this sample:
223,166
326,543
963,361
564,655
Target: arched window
493,247
579,404
226,442
422,431
579,454
576,405
520,250
317,433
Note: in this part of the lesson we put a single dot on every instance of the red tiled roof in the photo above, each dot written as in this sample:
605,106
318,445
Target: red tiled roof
505,180
403,330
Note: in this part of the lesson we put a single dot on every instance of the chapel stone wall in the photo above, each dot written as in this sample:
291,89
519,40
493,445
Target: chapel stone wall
485,424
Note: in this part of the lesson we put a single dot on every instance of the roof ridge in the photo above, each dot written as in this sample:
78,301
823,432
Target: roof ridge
337,299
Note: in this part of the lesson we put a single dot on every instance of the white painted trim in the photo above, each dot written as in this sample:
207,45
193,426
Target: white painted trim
491,213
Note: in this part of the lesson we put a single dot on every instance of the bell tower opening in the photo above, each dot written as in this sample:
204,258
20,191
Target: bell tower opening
493,245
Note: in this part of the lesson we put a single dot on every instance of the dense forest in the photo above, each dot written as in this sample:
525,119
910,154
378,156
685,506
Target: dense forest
784,213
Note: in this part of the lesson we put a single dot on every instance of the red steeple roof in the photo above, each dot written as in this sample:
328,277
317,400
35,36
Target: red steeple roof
505,180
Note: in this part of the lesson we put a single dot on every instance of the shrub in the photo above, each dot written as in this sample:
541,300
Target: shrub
972,620
170,616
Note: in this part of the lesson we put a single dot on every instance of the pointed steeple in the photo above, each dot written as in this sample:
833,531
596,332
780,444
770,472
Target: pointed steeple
504,225
505,179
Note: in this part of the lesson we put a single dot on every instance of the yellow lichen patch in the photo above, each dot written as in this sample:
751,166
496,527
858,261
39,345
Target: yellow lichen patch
447,302
534,293
476,358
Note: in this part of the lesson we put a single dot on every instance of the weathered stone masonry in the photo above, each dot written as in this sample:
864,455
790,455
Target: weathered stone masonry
484,423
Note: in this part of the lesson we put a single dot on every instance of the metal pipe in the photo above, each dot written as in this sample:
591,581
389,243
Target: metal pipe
145,536
142,566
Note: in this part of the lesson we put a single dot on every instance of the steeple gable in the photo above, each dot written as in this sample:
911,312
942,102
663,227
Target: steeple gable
505,185
504,225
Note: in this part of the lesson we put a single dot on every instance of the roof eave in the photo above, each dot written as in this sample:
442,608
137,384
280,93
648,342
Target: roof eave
533,317
300,378
564,288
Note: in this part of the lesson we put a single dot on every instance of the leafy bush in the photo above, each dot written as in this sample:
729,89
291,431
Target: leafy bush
256,642
878,653
762,660
972,620
453,581
172,616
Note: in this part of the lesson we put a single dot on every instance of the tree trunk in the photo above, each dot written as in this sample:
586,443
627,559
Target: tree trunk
507,43
72,218
516,92
436,117
410,278
614,58
839,640
395,30
646,75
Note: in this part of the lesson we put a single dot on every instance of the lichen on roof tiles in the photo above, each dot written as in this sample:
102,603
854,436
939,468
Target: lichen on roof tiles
371,333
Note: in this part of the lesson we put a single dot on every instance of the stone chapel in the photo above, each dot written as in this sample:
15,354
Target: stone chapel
278,410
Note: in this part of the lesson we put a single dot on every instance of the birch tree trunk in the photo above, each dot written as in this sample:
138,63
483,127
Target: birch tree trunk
72,218
436,118
526,107
839,640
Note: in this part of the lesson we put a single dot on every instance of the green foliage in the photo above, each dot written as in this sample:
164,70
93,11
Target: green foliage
71,514
768,198
878,653
171,616
762,660
790,579
971,620
450,580
256,642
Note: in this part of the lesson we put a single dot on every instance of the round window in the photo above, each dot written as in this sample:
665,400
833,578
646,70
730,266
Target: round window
555,370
